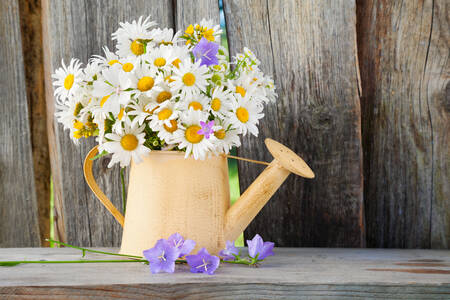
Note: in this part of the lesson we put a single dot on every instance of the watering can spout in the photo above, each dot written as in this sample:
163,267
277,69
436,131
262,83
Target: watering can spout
265,185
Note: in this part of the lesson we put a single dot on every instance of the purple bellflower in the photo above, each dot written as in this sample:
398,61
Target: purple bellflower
230,252
203,262
162,257
207,52
206,129
180,244
258,249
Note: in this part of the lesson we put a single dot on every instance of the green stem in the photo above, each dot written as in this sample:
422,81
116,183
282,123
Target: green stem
239,261
16,262
124,200
92,251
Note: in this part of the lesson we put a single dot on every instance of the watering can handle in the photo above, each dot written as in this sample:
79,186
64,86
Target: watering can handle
87,168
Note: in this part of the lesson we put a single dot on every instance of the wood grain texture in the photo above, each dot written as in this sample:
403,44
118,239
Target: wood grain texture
193,11
30,21
404,52
18,208
309,49
302,273
79,29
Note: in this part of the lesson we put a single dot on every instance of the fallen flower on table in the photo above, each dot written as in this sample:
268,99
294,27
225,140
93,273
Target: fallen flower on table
162,257
258,249
230,252
183,246
203,262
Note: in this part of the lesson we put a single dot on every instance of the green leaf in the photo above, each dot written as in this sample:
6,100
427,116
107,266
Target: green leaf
100,155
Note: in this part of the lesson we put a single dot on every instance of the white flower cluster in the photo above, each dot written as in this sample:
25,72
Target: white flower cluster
162,90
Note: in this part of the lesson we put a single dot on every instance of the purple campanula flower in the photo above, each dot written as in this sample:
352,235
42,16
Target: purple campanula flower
259,249
180,244
206,129
161,257
203,262
229,252
207,52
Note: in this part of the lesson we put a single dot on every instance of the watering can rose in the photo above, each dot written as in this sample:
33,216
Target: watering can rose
163,90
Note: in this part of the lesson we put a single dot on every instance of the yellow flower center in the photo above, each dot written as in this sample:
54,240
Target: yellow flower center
160,62
169,79
127,67
216,104
137,48
242,114
220,134
176,63
129,142
145,83
112,62
192,136
173,126
68,82
163,96
164,114
120,115
189,79
195,105
240,90
102,102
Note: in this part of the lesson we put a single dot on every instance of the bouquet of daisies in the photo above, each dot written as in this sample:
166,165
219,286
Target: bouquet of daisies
162,90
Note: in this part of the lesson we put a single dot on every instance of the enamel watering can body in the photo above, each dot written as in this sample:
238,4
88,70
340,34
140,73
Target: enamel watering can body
168,193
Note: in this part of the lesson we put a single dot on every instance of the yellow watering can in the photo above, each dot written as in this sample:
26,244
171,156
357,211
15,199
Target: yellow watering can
168,193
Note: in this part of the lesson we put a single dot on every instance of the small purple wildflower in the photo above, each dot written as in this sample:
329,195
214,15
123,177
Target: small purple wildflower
207,52
203,262
180,244
206,129
161,257
229,252
258,249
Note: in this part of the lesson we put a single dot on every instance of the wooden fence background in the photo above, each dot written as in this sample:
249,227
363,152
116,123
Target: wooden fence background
364,97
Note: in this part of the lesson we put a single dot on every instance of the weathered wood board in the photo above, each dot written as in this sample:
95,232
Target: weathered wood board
309,47
293,273
79,29
404,60
31,28
192,12
18,208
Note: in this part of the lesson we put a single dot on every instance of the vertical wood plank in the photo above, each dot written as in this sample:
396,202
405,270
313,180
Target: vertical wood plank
18,208
79,29
404,52
309,48
30,21
192,12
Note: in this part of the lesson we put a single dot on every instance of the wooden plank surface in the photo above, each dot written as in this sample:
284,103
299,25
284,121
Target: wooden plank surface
18,209
309,49
31,28
293,273
79,29
404,52
192,12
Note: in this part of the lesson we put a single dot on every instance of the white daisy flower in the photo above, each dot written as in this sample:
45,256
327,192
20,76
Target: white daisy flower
180,53
220,102
138,109
113,90
166,133
163,93
132,38
91,72
110,58
161,57
195,102
130,63
226,138
166,37
187,135
190,78
145,80
67,80
245,115
163,115
126,146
